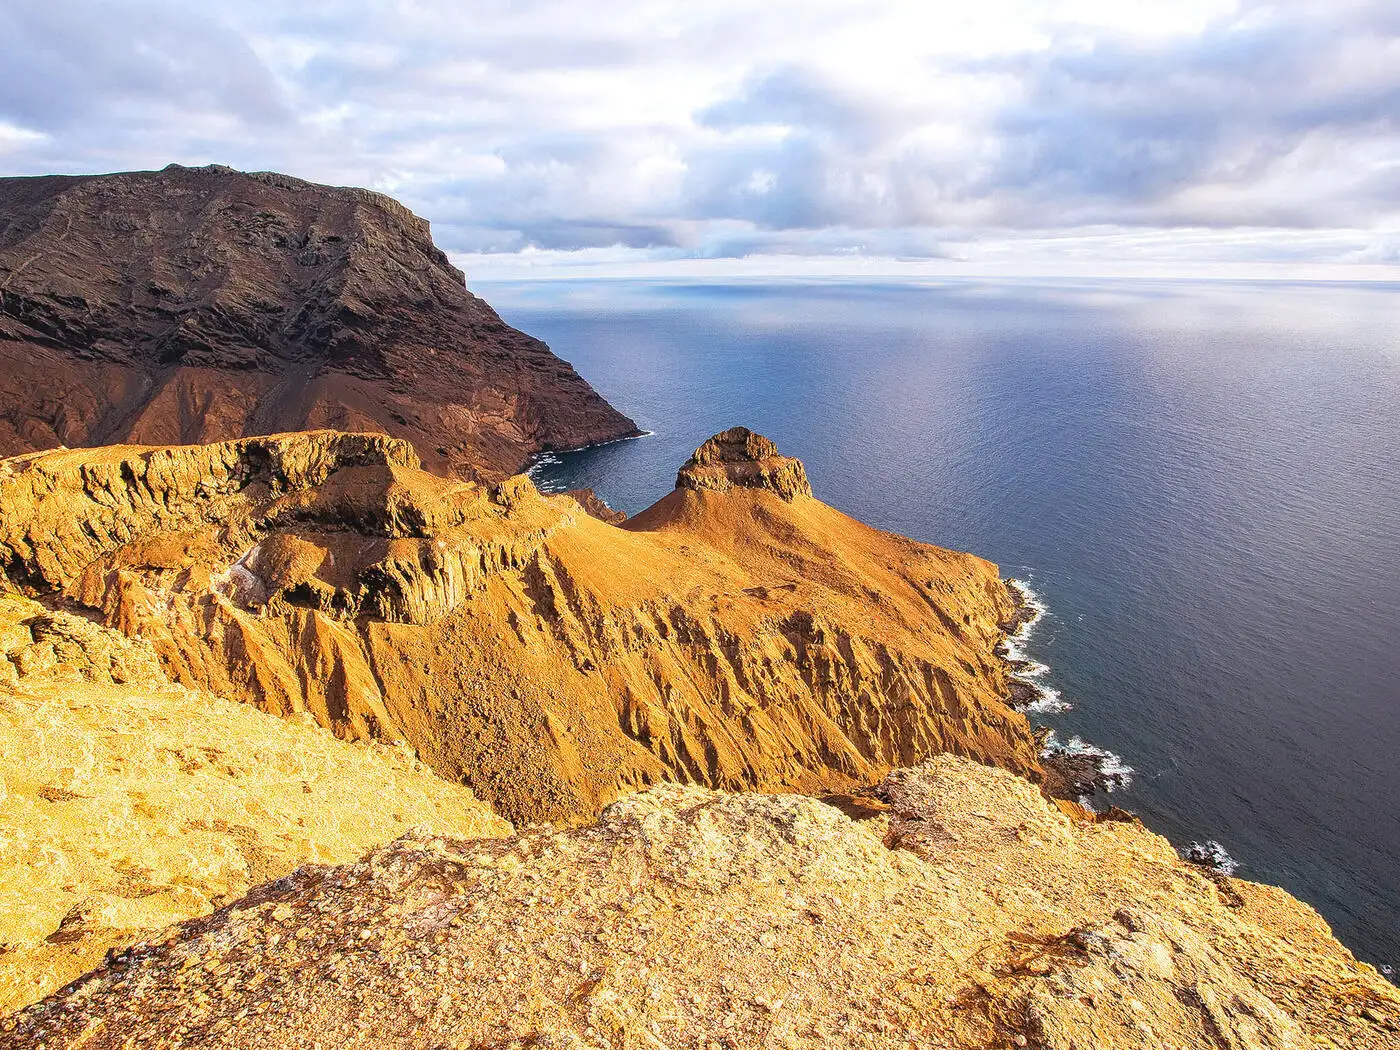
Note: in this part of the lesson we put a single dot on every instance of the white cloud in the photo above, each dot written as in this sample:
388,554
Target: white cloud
1045,134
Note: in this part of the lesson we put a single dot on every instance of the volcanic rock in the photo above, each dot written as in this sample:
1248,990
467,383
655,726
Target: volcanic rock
130,803
740,457
193,305
744,636
969,913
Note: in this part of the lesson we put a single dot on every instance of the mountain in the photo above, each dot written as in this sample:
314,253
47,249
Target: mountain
193,305
738,634
949,906
752,746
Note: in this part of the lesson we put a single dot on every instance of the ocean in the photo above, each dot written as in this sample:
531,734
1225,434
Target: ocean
1199,480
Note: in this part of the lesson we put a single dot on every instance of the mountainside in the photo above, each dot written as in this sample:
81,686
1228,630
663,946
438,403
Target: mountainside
128,803
199,304
738,634
952,906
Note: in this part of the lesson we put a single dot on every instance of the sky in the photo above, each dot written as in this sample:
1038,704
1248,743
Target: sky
652,137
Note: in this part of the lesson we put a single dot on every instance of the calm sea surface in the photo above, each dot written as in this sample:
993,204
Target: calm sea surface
1201,481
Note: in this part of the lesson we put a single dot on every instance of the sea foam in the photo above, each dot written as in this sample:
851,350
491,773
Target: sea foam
1027,669
1112,771
1211,854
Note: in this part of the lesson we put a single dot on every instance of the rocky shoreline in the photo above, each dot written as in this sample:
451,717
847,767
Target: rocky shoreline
1078,771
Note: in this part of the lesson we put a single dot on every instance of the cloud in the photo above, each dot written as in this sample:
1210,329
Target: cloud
668,130
1273,118
67,64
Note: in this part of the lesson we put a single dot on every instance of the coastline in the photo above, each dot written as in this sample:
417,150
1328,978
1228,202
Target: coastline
550,456
1084,771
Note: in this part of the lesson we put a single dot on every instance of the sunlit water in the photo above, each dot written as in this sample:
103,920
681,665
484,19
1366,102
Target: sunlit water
1201,481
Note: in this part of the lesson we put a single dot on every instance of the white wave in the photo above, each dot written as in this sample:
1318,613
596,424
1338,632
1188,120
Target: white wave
1111,768
1050,703
551,459
1013,646
1033,669
1033,602
544,459
1211,854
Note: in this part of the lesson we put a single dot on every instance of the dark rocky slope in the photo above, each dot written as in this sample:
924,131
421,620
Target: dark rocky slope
201,304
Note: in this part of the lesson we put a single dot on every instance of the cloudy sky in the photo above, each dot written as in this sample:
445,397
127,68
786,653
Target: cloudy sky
663,136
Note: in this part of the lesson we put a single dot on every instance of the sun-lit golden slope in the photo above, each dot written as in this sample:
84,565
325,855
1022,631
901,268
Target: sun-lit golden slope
128,803
949,907
738,634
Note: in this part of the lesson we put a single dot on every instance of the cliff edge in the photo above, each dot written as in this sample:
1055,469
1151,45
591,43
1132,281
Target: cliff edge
128,803
192,305
951,906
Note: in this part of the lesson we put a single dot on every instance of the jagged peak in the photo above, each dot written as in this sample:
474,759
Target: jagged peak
738,457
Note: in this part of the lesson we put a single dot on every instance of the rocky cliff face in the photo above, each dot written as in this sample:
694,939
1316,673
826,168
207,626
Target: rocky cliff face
199,304
130,803
742,635
951,906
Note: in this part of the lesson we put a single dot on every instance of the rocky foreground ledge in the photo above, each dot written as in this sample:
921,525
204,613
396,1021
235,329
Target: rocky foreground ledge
951,907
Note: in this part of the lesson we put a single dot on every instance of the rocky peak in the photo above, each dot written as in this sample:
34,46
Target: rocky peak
739,457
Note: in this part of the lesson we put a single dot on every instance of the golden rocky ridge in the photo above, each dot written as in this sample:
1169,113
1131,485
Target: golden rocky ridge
647,687
129,803
745,636
956,908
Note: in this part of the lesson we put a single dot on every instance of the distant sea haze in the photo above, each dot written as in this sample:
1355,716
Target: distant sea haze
1201,482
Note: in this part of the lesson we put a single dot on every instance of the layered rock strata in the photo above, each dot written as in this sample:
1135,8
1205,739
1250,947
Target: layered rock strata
952,907
199,304
743,635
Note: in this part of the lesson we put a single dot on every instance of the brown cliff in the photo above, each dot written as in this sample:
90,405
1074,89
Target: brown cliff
199,304
736,636
958,910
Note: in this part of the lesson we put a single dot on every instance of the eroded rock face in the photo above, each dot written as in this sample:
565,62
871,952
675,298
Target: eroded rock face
739,457
200,304
688,917
730,637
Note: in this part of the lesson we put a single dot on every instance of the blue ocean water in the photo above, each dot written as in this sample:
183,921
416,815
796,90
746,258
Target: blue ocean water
1200,480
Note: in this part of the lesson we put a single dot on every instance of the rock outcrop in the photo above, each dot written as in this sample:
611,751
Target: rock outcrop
740,457
741,636
194,305
128,803
950,907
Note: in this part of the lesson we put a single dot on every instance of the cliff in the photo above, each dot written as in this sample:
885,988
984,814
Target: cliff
193,305
128,803
196,856
951,906
738,635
